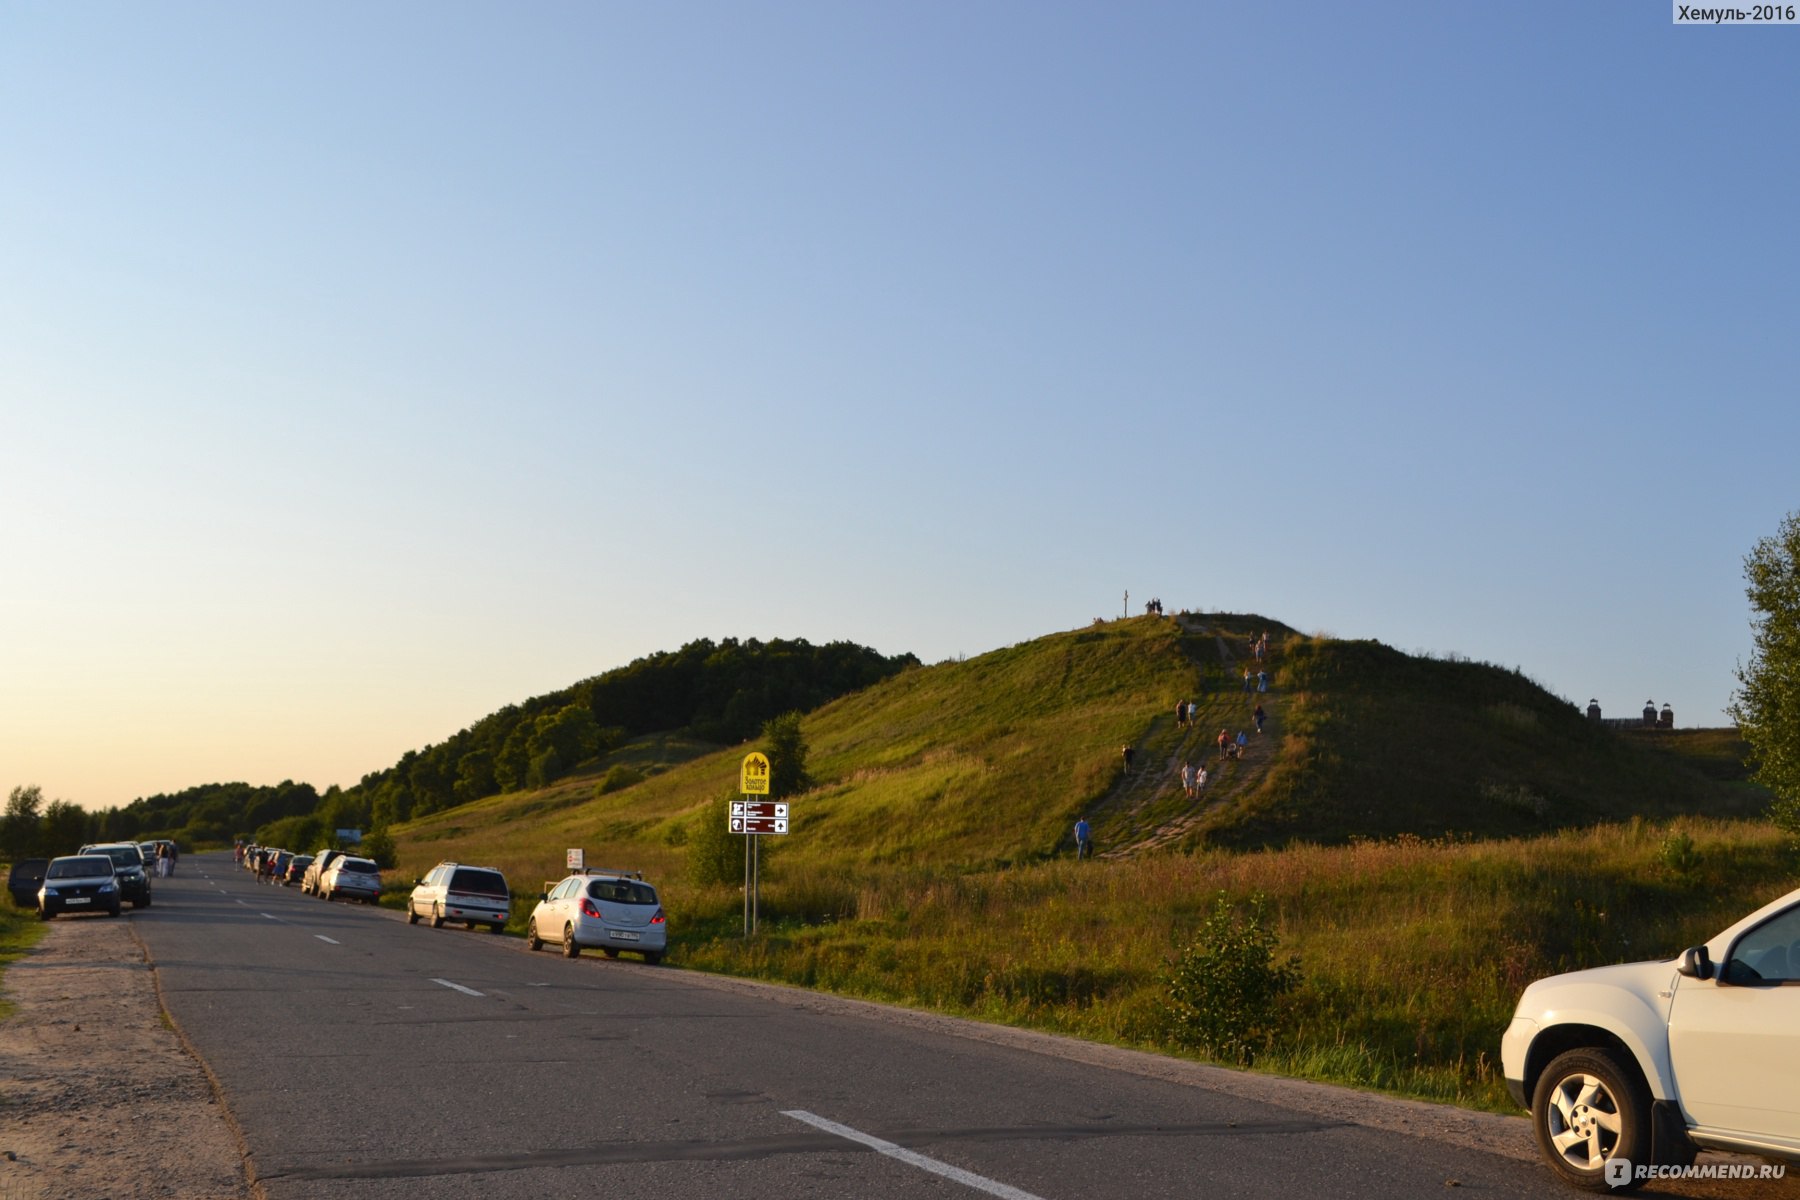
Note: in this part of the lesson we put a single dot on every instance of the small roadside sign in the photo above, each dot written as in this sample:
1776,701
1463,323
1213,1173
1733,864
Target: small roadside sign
753,779
577,861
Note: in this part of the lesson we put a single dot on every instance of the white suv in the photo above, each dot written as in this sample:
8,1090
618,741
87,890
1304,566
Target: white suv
1629,1068
607,910
453,892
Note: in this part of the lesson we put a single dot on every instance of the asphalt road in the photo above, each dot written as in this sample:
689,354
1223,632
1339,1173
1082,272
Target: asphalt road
363,1057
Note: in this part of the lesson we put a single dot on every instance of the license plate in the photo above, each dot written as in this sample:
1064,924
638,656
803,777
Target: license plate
622,935
78,900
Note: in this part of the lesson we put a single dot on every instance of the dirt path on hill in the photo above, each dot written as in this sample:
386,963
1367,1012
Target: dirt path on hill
98,1094
1148,809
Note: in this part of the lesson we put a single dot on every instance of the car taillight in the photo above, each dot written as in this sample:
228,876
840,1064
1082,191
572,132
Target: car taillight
588,910
658,918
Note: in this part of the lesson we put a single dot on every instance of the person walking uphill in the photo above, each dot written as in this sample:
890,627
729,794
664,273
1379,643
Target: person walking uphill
1084,840
1127,753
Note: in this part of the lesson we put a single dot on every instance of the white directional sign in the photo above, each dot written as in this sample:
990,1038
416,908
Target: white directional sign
759,816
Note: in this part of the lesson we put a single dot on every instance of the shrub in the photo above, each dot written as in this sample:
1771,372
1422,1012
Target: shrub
1225,989
618,778
1678,852
378,848
715,854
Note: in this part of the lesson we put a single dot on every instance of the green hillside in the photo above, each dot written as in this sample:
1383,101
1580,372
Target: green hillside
931,864
986,763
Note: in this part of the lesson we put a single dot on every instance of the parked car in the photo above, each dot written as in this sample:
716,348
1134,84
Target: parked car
454,892
78,883
1629,1068
605,910
355,878
296,869
24,880
309,883
128,865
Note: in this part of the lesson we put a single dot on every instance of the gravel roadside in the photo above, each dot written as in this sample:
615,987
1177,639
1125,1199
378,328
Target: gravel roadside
99,1096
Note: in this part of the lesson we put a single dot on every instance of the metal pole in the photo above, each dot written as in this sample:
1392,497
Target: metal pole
755,880
747,840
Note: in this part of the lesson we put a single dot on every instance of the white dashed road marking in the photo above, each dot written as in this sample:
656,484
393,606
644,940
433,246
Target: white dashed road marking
980,1183
457,987
323,938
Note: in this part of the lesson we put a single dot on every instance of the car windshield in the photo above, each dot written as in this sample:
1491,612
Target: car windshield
80,868
481,883
622,891
359,866
123,856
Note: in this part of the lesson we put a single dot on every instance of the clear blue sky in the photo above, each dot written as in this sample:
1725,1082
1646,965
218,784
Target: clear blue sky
366,367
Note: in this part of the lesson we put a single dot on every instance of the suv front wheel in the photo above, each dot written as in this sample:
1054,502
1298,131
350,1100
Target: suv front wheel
1591,1107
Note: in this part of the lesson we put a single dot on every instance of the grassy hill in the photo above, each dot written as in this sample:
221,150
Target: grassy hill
931,864
986,763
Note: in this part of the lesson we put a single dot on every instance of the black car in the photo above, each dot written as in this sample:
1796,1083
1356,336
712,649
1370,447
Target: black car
26,878
79,883
128,865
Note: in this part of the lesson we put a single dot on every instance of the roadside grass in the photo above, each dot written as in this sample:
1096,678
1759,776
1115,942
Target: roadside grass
20,930
1412,952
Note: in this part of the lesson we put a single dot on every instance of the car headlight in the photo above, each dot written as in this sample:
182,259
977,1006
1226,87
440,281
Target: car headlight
49,891
106,887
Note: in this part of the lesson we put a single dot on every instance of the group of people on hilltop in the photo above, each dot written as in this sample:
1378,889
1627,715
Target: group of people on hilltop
1194,778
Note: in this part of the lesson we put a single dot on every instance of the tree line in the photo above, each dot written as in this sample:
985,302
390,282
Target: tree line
720,692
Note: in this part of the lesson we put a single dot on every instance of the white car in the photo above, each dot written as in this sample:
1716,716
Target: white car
454,892
605,910
357,878
1633,1068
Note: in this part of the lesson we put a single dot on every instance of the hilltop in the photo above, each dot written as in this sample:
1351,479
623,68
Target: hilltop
987,762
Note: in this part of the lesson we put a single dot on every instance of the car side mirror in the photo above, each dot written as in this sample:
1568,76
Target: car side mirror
542,896
418,883
1696,963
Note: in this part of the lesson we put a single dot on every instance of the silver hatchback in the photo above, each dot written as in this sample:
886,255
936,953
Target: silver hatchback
607,911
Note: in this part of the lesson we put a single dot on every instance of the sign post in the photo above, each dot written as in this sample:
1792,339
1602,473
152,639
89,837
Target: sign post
753,818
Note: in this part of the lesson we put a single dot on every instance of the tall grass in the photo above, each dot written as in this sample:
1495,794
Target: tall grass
1412,952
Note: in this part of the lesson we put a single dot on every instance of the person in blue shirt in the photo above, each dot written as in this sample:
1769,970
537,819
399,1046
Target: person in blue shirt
1084,841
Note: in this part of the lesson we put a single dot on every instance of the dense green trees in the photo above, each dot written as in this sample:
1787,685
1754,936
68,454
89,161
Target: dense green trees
20,828
1766,705
720,692
31,827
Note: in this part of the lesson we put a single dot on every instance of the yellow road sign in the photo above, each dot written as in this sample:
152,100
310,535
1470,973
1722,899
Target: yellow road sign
754,779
